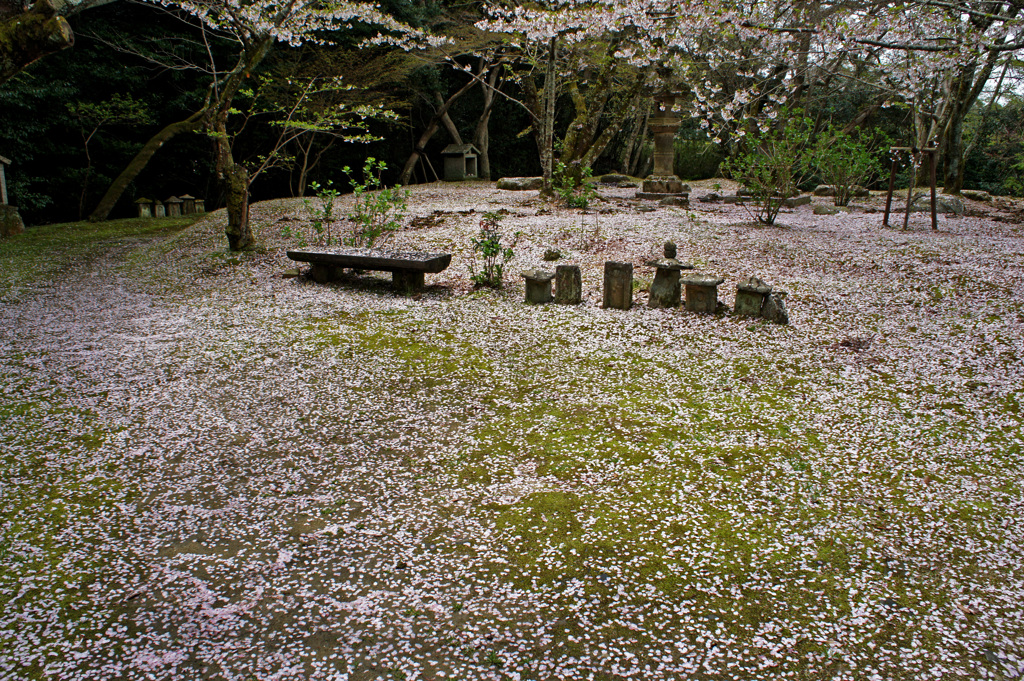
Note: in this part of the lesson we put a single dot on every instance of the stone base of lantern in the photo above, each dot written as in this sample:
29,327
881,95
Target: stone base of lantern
657,187
11,223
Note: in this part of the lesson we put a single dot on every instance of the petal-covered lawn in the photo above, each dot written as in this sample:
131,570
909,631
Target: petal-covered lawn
214,471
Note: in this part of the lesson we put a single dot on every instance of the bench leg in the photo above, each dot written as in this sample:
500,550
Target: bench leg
321,274
407,281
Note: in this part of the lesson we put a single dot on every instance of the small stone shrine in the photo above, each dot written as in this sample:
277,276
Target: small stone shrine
173,207
159,210
701,292
618,285
750,296
460,162
188,204
568,285
538,286
666,290
145,207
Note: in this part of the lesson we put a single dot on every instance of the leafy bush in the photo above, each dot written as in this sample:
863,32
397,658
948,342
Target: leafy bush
696,160
774,165
321,218
846,160
495,254
572,185
378,210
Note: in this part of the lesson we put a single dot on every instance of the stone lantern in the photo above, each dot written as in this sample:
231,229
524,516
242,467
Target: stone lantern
663,183
666,291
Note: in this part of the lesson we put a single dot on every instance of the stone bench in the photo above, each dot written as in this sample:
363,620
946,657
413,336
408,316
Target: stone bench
407,268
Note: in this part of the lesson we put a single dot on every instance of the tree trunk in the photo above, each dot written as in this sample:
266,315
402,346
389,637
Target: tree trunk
481,134
29,36
239,230
547,135
118,186
432,126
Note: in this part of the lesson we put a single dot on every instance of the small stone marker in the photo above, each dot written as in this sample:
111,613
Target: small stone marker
173,207
618,285
666,290
200,205
701,292
188,204
568,285
797,201
774,309
538,286
750,295
159,210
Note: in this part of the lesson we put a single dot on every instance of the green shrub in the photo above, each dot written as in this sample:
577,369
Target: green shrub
773,165
571,183
321,218
495,254
378,210
846,160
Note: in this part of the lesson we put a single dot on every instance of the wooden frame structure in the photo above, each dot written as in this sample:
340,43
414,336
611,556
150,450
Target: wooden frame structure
3,180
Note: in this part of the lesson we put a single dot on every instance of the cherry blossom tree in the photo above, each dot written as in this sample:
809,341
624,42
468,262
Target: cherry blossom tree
254,27
746,61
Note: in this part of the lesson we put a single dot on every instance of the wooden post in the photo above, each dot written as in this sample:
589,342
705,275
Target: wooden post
892,186
3,181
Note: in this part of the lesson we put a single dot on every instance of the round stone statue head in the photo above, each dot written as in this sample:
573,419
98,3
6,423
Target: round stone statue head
670,249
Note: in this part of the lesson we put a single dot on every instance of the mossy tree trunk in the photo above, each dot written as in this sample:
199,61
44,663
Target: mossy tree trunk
31,35
239,230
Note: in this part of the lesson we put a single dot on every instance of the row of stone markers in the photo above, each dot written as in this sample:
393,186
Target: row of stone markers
754,298
172,207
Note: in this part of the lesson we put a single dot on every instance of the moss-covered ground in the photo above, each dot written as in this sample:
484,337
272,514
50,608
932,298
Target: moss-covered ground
214,471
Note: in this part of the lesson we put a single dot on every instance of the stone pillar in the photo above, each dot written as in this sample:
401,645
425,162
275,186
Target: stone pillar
568,285
538,286
159,211
618,285
188,204
173,207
